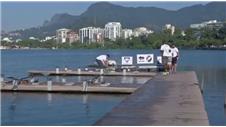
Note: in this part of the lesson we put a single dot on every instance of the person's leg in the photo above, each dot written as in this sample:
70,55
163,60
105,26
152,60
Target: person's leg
169,64
175,67
164,61
173,64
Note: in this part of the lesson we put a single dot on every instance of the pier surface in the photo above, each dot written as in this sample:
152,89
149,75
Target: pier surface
173,100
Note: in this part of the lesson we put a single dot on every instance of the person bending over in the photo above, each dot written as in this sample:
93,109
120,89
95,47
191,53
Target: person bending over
102,60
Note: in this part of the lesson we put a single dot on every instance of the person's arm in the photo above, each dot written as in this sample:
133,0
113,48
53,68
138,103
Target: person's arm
161,50
178,54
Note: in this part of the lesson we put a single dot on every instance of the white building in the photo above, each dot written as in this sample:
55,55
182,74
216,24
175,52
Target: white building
72,37
171,28
210,23
6,39
91,34
183,33
113,30
141,31
61,35
18,40
126,33
33,38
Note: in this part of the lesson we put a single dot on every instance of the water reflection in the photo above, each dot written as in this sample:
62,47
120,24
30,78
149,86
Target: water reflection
129,80
44,109
86,104
13,105
49,98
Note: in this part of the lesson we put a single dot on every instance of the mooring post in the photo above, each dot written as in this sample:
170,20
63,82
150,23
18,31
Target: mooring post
79,71
57,70
124,71
66,69
101,71
84,86
2,80
49,85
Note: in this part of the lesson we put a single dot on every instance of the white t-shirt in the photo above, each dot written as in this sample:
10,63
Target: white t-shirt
175,52
102,57
167,51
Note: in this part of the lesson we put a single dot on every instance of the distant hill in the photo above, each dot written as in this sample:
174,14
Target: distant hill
100,13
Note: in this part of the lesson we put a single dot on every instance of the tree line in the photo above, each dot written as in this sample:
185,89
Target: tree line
194,38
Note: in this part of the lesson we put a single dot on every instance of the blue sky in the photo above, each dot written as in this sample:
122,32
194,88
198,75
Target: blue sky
18,15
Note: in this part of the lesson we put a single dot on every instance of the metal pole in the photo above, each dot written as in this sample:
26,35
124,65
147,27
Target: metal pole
202,84
225,101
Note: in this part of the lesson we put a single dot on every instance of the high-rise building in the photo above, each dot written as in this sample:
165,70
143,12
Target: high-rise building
113,30
91,34
171,28
72,37
126,33
61,35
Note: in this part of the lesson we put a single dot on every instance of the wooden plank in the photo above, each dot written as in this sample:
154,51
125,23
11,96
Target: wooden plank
173,100
69,89
92,73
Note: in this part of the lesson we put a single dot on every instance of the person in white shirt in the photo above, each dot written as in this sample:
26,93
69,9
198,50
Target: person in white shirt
166,57
102,60
175,55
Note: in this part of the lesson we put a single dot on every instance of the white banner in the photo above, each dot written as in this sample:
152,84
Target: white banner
127,60
145,58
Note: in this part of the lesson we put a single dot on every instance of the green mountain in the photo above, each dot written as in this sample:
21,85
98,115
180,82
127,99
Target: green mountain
100,13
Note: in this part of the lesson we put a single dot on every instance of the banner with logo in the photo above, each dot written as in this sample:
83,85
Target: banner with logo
127,60
145,58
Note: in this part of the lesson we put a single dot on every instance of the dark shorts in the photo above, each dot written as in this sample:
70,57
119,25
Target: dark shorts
174,60
100,63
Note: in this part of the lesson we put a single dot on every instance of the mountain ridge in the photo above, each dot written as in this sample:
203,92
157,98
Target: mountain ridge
98,14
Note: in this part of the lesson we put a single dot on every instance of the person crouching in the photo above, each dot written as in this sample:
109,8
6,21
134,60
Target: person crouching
102,61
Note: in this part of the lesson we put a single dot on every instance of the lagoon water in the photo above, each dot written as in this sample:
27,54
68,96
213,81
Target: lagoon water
78,109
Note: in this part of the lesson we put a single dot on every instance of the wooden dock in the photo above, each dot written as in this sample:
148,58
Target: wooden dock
69,89
92,73
173,100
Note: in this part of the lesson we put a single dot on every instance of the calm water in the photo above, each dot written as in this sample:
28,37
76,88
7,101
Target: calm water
76,109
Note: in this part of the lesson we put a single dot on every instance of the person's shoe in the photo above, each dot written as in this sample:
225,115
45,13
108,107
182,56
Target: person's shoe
164,73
